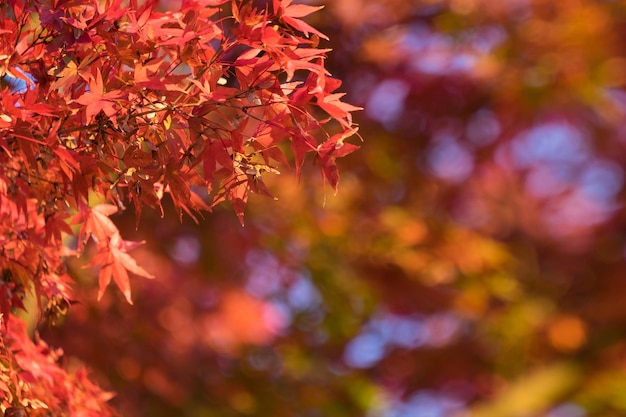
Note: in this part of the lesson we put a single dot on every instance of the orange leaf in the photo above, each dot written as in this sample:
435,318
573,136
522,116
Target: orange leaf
115,263
98,225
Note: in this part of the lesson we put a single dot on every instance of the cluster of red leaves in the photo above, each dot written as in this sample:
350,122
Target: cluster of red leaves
112,100
33,384
129,105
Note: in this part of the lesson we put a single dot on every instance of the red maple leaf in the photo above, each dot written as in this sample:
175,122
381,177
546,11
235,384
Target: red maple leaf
96,99
97,225
329,151
115,262
289,14
112,256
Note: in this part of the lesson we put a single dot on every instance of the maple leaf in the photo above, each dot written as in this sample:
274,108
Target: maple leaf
238,196
148,76
300,144
329,151
179,186
97,225
67,162
32,105
339,110
235,190
115,263
336,147
73,73
112,256
96,99
289,14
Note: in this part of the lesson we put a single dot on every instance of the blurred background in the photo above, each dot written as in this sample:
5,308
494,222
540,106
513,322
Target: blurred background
472,263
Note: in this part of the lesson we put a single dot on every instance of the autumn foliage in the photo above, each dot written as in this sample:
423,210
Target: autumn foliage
471,265
107,105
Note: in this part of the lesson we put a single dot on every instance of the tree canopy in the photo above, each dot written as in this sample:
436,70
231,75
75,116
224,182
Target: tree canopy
471,264
109,103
